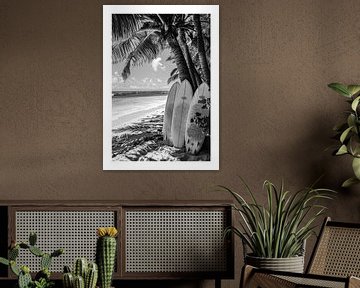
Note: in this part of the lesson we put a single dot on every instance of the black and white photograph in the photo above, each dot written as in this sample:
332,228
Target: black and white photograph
161,90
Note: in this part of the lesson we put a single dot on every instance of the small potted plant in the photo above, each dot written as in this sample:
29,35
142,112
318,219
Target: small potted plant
42,278
275,233
348,132
84,274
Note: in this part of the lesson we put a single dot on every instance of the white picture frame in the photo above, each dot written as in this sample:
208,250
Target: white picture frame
108,162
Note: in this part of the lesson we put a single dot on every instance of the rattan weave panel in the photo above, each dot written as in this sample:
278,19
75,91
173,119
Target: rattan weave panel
303,282
338,253
175,241
75,231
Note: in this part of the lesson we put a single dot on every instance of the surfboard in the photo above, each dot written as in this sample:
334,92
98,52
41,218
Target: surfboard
169,107
181,108
196,125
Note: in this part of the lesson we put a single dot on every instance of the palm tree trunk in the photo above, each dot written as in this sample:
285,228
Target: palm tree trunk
193,73
201,49
179,58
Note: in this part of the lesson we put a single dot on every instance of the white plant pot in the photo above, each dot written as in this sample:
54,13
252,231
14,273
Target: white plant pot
291,264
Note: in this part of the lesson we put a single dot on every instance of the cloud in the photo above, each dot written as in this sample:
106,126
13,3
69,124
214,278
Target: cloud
156,64
117,79
116,73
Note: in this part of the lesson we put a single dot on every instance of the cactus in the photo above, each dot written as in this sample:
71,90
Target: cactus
89,272
42,278
105,254
80,268
36,251
14,268
91,276
45,261
68,280
13,253
32,238
79,282
24,246
24,280
57,253
67,269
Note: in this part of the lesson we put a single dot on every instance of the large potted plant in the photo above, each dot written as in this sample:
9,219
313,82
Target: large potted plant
275,234
348,132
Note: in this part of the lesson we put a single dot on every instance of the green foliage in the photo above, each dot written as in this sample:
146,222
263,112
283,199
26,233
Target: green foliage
24,280
348,132
4,261
45,261
36,251
279,229
81,266
42,278
85,275
13,253
43,283
32,239
79,282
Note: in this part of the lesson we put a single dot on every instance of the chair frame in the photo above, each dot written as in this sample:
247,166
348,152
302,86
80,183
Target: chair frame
267,278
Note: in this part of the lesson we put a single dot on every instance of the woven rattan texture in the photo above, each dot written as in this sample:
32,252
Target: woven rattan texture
305,282
259,280
175,241
338,253
75,231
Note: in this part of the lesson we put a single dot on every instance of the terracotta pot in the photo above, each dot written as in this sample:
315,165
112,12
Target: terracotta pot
291,264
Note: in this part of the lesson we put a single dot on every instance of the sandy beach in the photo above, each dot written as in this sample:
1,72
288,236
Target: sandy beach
142,140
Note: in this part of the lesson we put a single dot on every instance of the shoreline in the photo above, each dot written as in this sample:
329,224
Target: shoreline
143,140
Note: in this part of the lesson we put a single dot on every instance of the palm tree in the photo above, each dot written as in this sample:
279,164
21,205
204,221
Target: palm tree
195,78
201,49
144,37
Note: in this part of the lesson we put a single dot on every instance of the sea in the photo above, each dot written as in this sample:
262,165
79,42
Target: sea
131,106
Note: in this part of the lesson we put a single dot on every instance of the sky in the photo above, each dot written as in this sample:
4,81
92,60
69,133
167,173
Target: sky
150,76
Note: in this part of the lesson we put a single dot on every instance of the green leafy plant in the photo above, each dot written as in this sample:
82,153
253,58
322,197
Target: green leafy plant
279,229
42,278
348,132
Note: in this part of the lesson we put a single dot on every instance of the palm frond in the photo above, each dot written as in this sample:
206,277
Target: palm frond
124,25
173,78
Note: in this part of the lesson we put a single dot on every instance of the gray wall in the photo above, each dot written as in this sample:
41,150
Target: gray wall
276,113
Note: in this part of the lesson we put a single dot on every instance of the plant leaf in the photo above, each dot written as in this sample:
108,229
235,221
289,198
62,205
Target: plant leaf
355,103
342,150
4,261
345,134
340,88
349,182
353,89
351,119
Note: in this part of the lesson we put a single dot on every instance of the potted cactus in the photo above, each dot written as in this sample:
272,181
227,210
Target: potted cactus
42,278
84,275
106,254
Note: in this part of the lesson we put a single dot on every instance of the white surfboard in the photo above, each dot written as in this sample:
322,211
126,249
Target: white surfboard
196,125
181,107
169,107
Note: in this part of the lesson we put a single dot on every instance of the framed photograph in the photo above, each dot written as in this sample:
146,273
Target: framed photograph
160,87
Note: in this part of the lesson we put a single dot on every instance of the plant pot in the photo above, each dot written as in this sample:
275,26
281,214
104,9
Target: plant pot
291,264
